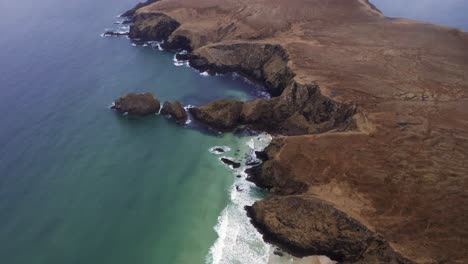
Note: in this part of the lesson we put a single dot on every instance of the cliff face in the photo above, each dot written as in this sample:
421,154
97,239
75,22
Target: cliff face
285,220
369,115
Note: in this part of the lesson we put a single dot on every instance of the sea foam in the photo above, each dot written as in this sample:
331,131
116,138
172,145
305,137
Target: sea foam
238,240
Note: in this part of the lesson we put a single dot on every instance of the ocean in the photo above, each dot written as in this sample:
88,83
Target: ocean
80,183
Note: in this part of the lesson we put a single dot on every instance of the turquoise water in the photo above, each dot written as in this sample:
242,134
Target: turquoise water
81,184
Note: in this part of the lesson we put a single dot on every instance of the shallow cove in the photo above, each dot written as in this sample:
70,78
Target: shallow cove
81,184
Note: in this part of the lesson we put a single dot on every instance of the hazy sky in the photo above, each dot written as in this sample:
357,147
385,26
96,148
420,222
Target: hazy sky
446,12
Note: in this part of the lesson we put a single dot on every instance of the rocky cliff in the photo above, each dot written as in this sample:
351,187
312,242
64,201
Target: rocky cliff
369,118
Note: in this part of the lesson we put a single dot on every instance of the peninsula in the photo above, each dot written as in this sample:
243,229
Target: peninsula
369,162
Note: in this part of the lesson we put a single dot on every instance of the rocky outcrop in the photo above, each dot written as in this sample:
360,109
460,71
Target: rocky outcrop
137,104
303,225
175,110
220,114
152,27
260,62
300,109
273,177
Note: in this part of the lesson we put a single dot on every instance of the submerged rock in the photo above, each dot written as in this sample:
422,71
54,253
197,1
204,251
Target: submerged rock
219,149
137,104
175,110
231,163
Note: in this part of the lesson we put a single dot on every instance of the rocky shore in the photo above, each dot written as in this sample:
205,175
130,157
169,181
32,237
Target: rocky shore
142,104
368,163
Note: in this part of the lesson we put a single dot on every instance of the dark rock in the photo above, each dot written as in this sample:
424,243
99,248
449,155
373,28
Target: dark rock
303,226
175,110
152,27
231,163
219,150
137,104
264,63
177,43
262,155
278,253
254,175
184,56
220,114
239,176
112,33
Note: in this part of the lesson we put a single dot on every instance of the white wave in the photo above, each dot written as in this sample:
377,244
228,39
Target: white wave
189,119
259,142
180,62
238,240
205,74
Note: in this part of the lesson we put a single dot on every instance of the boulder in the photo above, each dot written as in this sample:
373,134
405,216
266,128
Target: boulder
175,110
137,104
219,114
231,163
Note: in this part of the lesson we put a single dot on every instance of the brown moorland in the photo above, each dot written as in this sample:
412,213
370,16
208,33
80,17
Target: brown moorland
397,164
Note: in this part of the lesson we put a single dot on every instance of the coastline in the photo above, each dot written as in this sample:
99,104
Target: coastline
212,58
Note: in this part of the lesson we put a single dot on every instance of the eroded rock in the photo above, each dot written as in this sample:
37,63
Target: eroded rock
137,104
175,110
152,27
301,109
304,226
220,114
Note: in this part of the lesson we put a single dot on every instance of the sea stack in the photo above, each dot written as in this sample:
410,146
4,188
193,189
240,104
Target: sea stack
137,104
176,111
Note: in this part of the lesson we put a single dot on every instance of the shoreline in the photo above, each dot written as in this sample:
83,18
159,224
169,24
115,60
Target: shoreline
212,58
